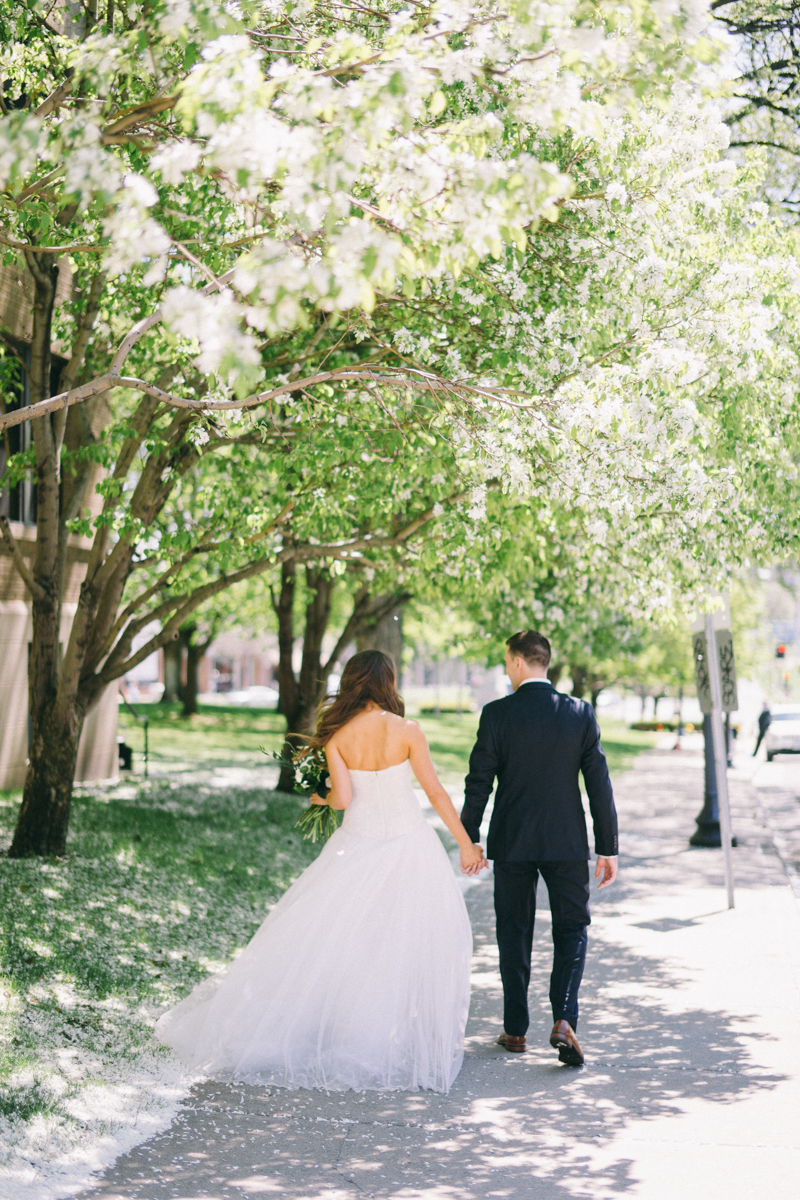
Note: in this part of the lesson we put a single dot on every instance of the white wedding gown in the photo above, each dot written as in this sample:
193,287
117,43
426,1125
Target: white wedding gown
359,976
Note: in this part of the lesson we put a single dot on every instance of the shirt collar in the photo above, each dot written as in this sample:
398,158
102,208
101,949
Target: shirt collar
545,681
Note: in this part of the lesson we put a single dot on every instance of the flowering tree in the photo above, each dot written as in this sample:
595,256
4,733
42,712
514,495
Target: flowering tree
338,276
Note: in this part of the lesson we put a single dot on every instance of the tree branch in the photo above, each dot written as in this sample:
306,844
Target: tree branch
139,112
401,379
5,240
300,553
38,184
55,99
23,569
141,327
168,576
63,400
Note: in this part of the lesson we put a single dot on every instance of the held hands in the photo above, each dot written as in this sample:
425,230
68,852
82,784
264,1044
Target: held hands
473,859
608,868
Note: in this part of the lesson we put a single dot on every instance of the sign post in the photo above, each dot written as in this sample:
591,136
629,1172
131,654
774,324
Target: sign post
720,752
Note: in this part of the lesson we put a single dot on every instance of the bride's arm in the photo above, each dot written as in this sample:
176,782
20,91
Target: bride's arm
341,792
472,856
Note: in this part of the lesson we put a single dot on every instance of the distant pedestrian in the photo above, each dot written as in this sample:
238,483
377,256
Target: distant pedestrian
764,722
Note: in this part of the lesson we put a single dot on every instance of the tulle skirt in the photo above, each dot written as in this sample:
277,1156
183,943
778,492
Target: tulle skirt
358,978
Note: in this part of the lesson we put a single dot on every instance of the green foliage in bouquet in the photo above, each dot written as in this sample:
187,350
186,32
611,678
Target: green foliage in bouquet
318,821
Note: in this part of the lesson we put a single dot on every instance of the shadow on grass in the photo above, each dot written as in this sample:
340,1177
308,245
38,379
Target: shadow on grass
157,888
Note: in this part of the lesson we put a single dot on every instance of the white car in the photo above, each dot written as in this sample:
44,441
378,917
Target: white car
783,735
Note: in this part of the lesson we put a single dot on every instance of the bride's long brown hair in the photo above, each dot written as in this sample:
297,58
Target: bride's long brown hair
368,675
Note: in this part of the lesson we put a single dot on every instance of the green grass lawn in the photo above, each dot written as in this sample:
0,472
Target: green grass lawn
451,738
160,886
217,735
234,735
163,881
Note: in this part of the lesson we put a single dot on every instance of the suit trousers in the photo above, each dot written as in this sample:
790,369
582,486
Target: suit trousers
515,910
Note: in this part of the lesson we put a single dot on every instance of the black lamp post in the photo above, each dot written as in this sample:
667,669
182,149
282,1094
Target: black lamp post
708,832
708,826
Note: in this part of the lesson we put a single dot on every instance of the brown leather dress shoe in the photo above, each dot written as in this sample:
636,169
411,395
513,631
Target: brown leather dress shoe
509,1042
564,1041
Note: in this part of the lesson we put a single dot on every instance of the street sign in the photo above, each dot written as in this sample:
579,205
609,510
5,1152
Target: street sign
727,670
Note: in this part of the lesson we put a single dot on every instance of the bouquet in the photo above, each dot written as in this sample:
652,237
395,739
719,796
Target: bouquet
318,821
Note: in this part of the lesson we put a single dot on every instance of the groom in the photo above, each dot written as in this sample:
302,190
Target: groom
535,742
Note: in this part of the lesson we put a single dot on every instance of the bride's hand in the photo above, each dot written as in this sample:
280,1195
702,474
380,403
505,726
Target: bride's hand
315,799
472,859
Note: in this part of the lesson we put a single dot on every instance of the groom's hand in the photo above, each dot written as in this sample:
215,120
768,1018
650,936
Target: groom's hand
608,868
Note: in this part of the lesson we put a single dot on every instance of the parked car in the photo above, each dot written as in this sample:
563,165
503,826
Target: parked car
783,735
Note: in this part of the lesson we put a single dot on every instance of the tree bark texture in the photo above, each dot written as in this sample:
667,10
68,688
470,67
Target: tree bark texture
300,695
44,816
579,680
190,689
554,673
194,651
55,729
173,652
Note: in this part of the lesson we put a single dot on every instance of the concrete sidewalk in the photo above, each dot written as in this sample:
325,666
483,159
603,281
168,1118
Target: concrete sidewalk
690,1023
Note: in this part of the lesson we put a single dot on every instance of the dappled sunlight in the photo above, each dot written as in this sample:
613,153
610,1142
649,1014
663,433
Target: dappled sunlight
512,1126
663,1050
149,900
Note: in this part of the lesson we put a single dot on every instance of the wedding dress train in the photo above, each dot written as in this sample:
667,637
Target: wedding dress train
359,976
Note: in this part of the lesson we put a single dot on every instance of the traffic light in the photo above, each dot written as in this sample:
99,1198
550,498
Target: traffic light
781,651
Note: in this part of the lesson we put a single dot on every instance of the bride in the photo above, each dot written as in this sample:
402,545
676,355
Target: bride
359,976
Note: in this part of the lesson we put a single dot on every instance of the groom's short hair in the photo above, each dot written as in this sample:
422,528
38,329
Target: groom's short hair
531,646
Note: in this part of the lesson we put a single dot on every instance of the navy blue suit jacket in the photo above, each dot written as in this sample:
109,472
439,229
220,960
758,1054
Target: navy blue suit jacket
535,742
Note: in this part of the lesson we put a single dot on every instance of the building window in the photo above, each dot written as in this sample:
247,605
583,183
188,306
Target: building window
18,503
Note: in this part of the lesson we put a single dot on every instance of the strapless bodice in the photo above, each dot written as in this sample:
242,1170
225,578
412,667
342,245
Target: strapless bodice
383,803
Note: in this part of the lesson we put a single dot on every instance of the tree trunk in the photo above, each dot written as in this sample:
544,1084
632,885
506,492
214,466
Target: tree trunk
595,693
189,690
44,815
579,680
195,652
554,673
386,633
287,684
300,698
173,652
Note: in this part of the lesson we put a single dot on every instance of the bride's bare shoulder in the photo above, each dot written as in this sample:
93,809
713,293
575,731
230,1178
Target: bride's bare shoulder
412,729
398,722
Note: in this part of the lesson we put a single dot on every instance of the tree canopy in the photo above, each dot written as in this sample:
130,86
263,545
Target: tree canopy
381,292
